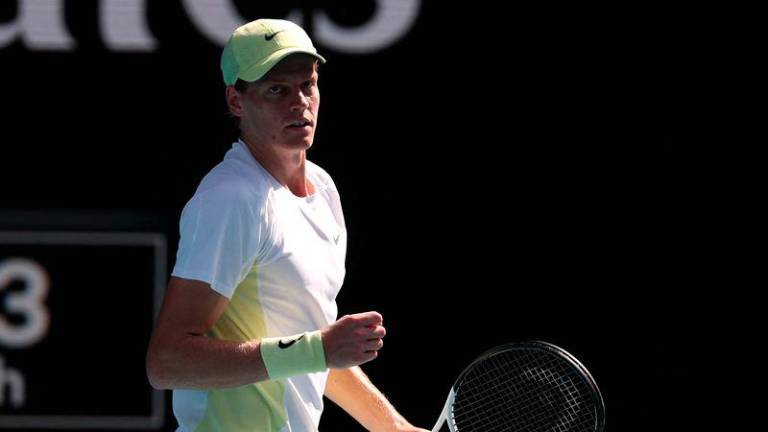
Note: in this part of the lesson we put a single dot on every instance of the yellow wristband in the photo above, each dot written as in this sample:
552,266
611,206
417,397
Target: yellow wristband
293,355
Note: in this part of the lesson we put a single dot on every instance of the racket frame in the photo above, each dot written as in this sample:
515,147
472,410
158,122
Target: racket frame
447,413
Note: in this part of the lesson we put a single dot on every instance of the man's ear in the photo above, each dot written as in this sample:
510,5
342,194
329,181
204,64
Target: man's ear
233,101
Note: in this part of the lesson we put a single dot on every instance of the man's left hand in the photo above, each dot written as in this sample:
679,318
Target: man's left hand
410,428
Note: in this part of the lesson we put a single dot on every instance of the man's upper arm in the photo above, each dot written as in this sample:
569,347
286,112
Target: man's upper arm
189,310
190,307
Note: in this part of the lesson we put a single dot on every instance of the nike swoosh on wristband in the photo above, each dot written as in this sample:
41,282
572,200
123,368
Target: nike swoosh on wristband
284,345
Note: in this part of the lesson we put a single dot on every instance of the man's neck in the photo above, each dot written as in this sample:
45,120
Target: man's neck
287,167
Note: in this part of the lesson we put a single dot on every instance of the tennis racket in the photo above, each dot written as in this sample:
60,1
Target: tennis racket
524,387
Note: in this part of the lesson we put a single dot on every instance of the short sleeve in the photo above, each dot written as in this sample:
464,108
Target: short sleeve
221,230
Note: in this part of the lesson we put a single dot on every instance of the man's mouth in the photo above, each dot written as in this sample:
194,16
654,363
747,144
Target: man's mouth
299,123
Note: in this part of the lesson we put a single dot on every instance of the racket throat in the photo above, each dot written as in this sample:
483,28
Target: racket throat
446,414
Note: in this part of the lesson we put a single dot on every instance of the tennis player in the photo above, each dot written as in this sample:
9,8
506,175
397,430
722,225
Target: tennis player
247,337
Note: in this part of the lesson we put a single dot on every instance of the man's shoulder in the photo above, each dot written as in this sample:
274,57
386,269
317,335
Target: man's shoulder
228,183
320,176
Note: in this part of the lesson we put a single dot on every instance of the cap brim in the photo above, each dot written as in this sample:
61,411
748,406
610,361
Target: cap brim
257,71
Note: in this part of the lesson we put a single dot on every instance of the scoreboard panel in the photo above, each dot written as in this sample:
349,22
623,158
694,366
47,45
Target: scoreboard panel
76,312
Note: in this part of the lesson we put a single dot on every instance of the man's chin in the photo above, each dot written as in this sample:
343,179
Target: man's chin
304,144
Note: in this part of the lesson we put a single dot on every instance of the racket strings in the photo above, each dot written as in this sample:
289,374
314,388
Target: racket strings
534,375
524,390
531,418
500,400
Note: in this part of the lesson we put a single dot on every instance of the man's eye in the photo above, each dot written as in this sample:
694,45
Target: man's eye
275,90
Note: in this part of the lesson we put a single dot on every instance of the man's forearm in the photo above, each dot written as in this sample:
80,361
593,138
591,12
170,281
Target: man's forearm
353,391
201,362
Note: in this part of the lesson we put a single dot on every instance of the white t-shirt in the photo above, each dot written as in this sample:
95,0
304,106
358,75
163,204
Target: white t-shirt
279,258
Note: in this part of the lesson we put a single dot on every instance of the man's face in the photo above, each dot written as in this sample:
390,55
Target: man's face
281,109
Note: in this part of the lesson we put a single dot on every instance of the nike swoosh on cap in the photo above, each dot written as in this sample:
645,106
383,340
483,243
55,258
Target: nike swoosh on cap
270,36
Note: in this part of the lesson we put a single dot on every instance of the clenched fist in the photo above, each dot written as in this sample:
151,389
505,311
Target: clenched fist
353,340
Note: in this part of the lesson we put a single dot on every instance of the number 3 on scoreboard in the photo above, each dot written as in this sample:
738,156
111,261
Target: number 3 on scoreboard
29,302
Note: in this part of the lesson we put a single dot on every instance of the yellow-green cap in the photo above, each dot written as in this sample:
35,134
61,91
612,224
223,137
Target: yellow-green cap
256,47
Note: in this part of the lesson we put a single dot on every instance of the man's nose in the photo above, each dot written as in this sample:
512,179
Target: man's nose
300,101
